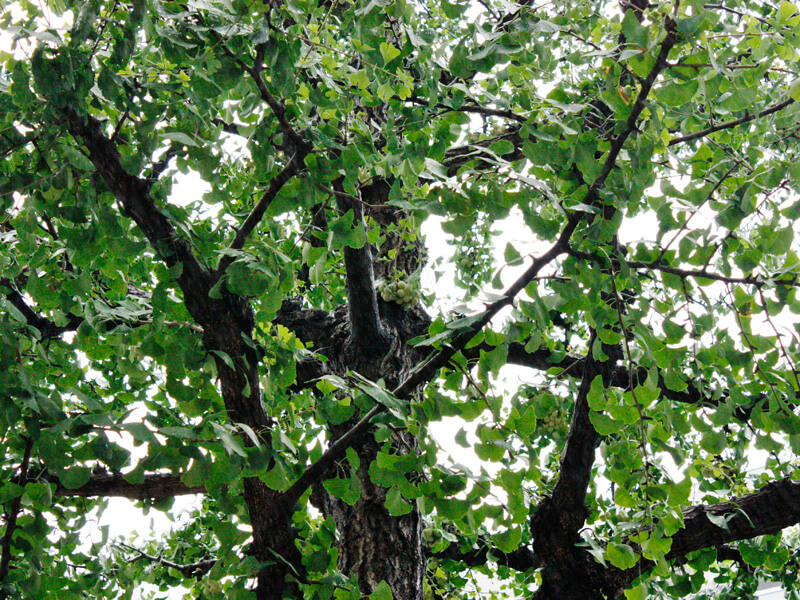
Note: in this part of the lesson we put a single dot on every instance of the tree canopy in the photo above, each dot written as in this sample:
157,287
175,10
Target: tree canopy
214,281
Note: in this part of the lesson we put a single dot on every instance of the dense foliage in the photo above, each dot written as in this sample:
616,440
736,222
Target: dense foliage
214,282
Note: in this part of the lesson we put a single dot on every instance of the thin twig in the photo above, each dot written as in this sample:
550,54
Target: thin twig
696,210
731,124
196,569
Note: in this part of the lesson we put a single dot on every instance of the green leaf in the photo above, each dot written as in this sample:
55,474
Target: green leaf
75,477
78,159
679,493
382,592
621,556
637,593
388,52
180,137
347,490
395,504
508,540
10,490
605,425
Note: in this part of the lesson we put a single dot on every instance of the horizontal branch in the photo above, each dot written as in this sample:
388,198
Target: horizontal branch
571,365
770,510
155,486
731,124
522,559
474,108
196,569
704,273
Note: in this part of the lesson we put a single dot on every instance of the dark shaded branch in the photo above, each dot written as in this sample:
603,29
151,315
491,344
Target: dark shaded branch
106,485
300,146
133,195
522,559
367,334
577,457
196,569
731,124
47,328
11,518
456,157
773,508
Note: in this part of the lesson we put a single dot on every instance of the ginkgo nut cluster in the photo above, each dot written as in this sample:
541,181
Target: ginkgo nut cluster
399,292
556,420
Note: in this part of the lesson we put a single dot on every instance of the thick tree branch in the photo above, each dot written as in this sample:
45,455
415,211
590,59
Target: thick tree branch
367,334
577,457
11,519
461,155
156,486
522,559
133,195
559,517
770,510
618,142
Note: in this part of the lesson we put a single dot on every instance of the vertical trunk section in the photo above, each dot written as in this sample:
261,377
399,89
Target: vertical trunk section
270,518
375,546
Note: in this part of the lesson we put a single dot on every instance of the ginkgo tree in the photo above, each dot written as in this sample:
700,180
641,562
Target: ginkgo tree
271,338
